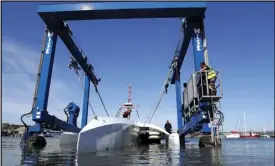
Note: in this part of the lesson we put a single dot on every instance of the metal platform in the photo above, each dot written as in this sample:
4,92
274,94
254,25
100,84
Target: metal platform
210,98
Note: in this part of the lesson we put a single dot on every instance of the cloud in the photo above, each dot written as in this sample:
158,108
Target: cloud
20,65
19,58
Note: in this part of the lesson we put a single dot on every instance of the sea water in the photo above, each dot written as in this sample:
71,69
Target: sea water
240,152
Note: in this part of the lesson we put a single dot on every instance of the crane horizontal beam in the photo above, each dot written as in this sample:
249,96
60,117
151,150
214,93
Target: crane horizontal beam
63,30
54,122
121,10
77,54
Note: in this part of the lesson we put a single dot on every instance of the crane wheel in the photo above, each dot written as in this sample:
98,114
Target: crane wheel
36,141
205,141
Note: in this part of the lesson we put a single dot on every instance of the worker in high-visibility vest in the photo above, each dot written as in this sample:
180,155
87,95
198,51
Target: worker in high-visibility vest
211,77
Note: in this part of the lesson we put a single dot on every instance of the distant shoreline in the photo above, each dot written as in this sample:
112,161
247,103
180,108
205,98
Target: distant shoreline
13,130
18,130
8,129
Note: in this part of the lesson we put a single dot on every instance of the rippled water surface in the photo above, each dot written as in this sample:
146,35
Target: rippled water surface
233,152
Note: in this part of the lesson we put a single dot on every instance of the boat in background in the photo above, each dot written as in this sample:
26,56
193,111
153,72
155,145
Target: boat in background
264,135
233,134
250,134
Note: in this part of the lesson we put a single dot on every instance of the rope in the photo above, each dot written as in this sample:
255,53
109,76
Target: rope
82,52
156,107
101,100
166,82
118,112
90,105
137,113
79,78
81,93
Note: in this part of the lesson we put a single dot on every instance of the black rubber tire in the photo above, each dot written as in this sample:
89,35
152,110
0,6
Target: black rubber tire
205,141
37,141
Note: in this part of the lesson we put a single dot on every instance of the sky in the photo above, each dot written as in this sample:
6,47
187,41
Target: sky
240,39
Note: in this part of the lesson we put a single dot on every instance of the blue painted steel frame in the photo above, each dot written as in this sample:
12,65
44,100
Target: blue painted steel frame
121,10
45,77
199,120
73,111
55,15
179,104
85,102
40,113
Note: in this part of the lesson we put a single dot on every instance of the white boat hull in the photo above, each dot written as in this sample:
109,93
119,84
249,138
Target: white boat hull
155,132
68,140
174,139
107,133
233,136
264,136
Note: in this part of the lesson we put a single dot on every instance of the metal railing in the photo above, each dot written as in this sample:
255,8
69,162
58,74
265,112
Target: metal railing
197,90
203,85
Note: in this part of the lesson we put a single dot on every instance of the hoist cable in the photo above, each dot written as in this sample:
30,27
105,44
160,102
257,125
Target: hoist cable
90,105
137,113
98,95
156,107
101,100
166,82
82,52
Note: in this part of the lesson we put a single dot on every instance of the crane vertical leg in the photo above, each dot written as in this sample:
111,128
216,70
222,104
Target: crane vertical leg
197,42
39,111
85,102
179,105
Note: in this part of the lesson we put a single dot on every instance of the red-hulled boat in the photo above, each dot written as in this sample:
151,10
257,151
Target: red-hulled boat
250,135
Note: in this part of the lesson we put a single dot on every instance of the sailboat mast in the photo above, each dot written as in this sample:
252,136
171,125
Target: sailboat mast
236,128
130,94
264,129
244,123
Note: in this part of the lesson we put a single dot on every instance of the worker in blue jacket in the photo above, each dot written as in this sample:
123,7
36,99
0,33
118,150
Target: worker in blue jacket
168,127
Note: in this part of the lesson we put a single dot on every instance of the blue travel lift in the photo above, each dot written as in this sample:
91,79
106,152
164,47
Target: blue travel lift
192,116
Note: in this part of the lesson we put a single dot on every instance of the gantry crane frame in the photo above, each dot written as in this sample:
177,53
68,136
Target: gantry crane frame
55,17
